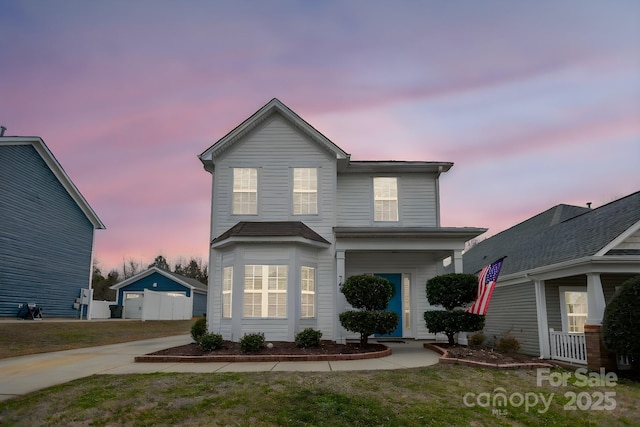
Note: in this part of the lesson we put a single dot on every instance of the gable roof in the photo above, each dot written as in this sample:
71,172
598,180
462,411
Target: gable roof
559,234
188,282
57,170
275,106
254,232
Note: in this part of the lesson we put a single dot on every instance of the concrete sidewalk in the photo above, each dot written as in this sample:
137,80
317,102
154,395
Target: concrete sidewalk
25,374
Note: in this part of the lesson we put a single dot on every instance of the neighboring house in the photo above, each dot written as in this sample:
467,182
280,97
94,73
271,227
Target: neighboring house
562,268
293,216
46,231
156,294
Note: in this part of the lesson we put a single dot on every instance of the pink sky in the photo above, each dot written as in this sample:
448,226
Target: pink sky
536,103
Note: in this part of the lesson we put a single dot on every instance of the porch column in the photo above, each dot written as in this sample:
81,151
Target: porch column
597,354
543,321
457,261
340,299
595,300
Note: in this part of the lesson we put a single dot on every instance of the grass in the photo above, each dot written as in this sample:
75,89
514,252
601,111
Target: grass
29,337
421,396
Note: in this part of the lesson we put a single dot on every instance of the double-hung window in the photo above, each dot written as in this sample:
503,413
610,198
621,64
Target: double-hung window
574,309
245,191
308,292
227,287
265,291
305,191
385,190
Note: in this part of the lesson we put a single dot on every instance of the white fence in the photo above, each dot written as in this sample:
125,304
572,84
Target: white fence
100,309
164,306
568,347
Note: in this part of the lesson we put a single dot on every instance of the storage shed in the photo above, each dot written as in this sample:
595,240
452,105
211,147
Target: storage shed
156,294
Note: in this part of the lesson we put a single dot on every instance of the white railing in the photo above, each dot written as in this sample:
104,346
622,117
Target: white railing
568,347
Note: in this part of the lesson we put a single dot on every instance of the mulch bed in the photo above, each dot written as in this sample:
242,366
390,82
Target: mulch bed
485,357
279,348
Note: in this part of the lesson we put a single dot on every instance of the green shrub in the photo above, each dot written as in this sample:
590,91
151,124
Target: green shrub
508,344
308,338
368,322
476,340
368,292
621,323
198,329
252,343
210,342
452,290
452,322
371,294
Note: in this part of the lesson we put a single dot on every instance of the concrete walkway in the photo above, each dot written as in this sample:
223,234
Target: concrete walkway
25,374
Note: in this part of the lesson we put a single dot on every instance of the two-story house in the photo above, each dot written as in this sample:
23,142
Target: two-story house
293,216
46,232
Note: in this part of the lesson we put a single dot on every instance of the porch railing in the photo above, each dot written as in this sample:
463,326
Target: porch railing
568,347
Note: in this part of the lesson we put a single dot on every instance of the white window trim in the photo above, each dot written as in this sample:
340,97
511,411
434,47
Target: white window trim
244,191
295,191
227,291
563,304
382,199
265,291
307,292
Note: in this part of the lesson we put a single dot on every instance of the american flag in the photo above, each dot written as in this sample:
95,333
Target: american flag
486,284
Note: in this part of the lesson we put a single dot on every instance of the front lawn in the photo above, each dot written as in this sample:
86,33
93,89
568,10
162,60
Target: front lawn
29,337
441,395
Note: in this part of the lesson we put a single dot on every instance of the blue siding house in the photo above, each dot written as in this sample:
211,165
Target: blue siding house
156,294
46,231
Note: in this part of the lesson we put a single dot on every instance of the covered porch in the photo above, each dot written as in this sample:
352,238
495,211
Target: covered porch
406,257
570,301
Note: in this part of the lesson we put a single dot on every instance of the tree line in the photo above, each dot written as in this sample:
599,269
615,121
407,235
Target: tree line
101,284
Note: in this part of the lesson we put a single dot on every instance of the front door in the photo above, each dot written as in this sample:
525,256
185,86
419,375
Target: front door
395,304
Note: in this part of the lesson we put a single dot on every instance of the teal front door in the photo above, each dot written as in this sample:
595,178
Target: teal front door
395,304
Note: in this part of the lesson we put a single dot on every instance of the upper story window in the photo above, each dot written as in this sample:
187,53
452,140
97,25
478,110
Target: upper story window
385,190
245,191
305,191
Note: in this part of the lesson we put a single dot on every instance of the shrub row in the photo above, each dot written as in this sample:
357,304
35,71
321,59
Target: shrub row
249,343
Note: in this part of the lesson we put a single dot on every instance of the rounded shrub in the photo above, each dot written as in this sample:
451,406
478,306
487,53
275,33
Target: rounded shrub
252,343
210,342
368,292
621,323
452,322
452,290
368,322
308,338
198,329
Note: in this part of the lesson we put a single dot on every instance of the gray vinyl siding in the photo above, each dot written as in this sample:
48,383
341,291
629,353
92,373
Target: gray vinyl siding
554,315
513,309
417,200
45,238
274,148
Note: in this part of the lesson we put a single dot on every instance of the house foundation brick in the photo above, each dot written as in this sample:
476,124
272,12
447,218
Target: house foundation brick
597,354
